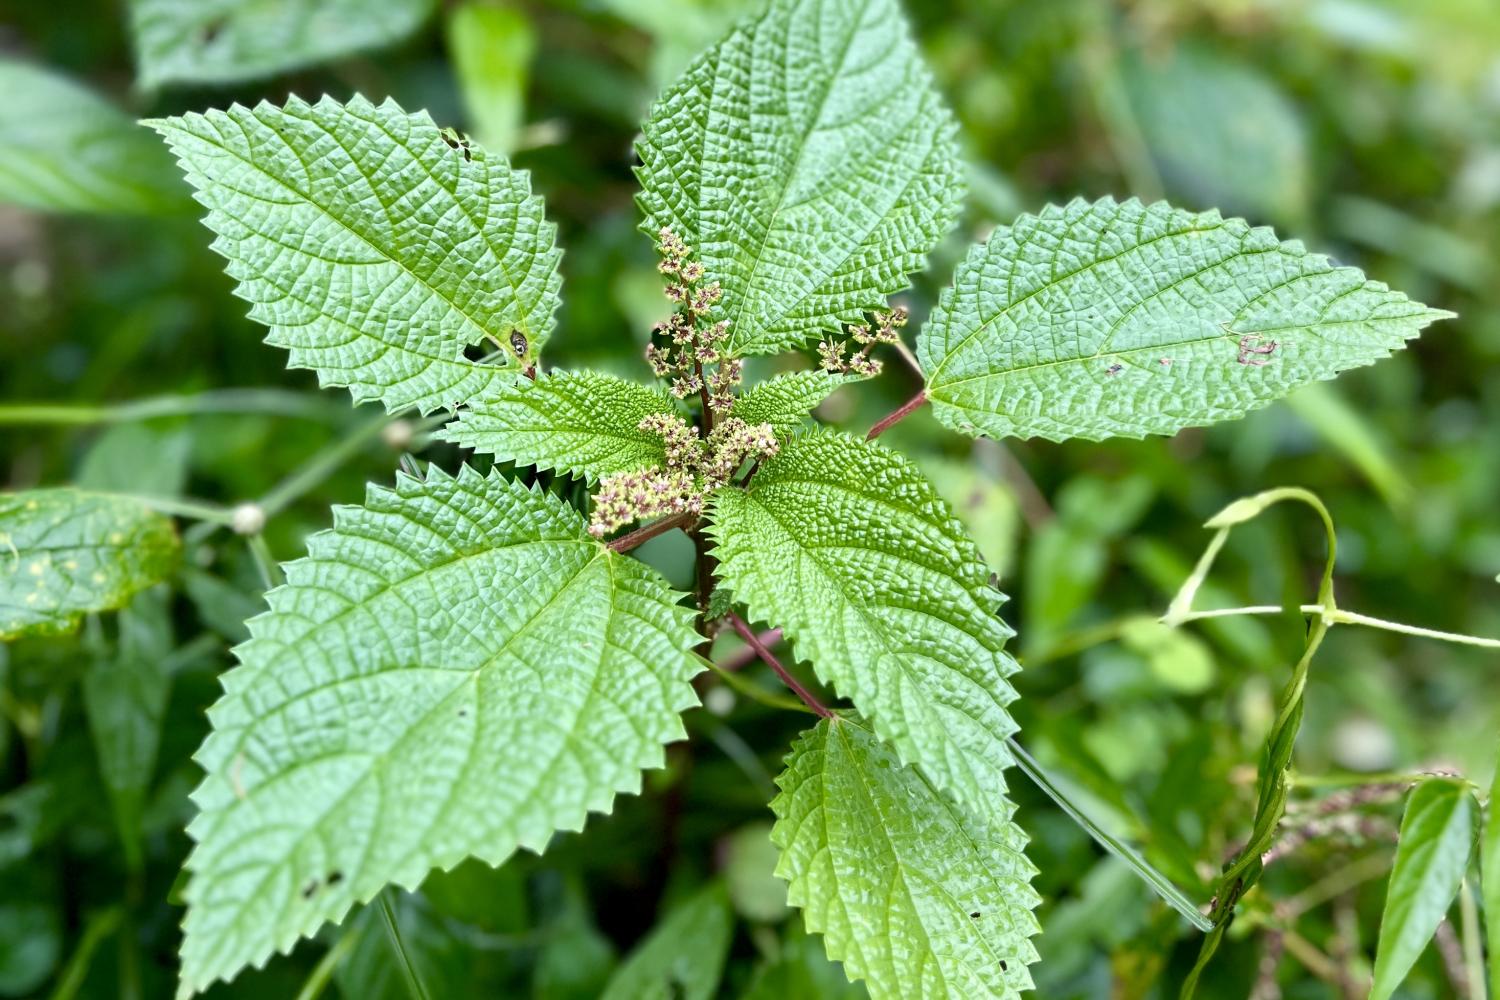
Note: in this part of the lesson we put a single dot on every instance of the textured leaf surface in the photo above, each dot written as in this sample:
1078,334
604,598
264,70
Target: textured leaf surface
1116,318
1489,884
911,892
843,544
374,251
583,423
809,162
65,149
65,552
456,669
224,41
683,958
1437,835
785,401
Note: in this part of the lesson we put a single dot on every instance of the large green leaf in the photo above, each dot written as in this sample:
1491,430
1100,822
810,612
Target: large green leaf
912,892
1117,318
809,162
1489,885
65,552
456,669
65,149
845,546
374,251
1437,835
583,423
225,41
785,401
683,958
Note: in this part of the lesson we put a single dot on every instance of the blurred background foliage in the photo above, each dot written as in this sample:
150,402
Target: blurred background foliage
1368,128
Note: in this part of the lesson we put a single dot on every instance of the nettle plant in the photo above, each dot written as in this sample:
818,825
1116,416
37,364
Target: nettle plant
468,663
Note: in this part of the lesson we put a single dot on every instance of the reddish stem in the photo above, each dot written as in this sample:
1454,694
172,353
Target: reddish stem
744,657
627,542
753,641
903,411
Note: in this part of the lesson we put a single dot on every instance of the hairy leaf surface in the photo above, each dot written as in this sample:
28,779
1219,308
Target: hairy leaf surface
582,423
843,544
809,162
64,148
1115,318
373,250
456,670
66,552
226,41
785,401
912,892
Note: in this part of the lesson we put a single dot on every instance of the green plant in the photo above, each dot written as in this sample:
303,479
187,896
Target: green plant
471,661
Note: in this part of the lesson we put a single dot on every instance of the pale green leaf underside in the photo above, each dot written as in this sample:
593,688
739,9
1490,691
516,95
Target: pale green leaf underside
1115,318
844,545
582,423
913,893
65,553
225,41
374,251
785,401
683,957
456,670
809,162
65,149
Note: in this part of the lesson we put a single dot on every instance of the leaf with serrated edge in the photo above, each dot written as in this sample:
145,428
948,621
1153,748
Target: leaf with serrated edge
582,423
913,893
374,251
683,957
1432,854
1112,318
845,546
809,162
455,670
225,41
785,401
65,553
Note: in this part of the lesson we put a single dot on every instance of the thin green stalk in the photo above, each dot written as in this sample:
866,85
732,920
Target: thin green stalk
1472,937
409,970
1336,616
99,926
322,973
270,570
278,402
320,467
196,510
1159,883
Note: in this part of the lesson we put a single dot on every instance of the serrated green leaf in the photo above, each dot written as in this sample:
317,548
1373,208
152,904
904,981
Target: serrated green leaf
1437,835
373,250
63,148
683,958
809,162
227,41
1115,318
785,401
65,553
845,546
582,423
456,670
912,892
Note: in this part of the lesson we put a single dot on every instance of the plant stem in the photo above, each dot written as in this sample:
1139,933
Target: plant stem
196,510
317,980
271,401
642,535
270,570
98,927
746,656
321,466
751,690
1473,948
1339,616
901,412
753,641
413,981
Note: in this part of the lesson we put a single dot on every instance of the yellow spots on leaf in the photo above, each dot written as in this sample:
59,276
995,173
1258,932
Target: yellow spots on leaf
99,577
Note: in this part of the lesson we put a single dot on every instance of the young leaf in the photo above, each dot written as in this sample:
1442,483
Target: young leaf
457,669
65,552
785,401
582,423
683,958
844,545
912,892
809,163
1437,834
373,249
65,149
226,41
1117,318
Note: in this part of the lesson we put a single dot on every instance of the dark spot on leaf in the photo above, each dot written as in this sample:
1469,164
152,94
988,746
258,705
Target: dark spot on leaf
1003,966
213,29
452,142
1114,369
310,888
335,877
475,352
974,915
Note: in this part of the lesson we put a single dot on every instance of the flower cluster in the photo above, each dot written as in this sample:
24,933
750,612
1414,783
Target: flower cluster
691,356
831,352
694,469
